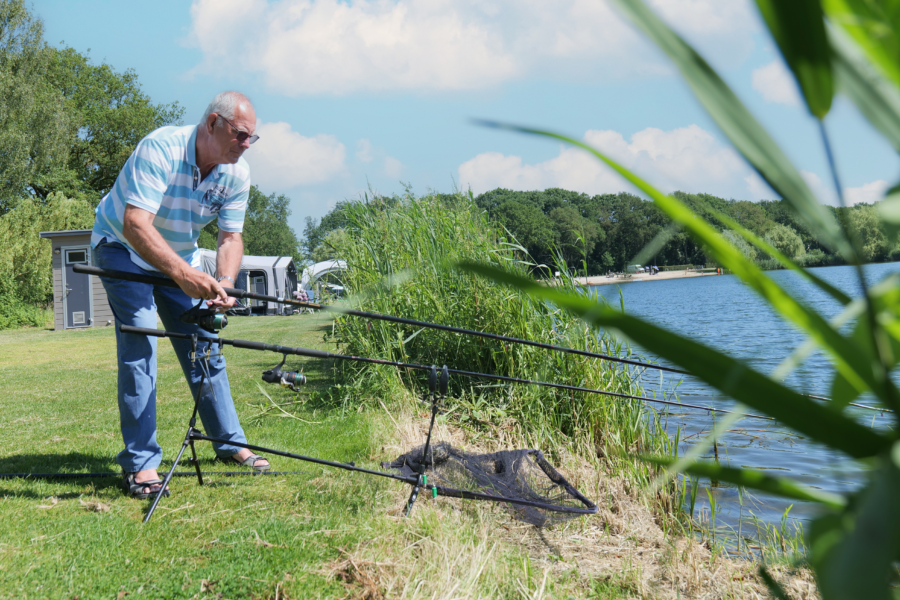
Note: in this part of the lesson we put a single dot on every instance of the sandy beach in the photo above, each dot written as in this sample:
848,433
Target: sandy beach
661,276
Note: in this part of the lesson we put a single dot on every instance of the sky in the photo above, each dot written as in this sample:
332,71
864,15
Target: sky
355,97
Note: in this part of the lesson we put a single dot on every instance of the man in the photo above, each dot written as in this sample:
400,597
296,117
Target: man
177,180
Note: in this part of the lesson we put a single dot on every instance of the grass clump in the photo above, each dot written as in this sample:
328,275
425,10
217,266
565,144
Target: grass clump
400,253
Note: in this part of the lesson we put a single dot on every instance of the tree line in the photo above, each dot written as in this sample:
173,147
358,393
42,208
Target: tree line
607,232
67,126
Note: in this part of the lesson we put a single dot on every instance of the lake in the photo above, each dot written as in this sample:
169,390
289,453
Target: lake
724,313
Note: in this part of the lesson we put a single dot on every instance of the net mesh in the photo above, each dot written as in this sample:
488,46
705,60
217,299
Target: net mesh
523,479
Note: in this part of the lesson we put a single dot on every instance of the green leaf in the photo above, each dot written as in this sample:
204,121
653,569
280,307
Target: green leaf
853,554
747,135
877,98
889,211
799,30
757,480
781,258
728,375
874,26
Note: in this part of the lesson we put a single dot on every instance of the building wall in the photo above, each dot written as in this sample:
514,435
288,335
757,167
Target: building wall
102,314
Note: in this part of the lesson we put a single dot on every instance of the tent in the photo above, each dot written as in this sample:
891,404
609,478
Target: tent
270,275
326,271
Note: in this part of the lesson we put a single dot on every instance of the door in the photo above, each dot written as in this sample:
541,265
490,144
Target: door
77,298
258,286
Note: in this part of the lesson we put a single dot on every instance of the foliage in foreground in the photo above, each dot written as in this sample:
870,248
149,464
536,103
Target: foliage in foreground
854,547
398,250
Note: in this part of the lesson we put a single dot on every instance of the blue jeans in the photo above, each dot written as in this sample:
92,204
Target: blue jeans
136,304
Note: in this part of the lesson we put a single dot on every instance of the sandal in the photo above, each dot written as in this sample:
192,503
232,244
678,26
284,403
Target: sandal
136,489
250,461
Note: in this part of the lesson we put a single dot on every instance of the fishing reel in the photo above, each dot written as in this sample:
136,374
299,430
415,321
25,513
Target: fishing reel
207,318
286,379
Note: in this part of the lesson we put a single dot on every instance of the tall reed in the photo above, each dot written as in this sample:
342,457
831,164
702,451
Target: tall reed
400,255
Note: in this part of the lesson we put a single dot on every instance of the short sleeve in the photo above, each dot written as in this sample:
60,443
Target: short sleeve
231,215
147,174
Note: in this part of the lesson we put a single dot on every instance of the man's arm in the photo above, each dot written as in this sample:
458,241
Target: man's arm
139,231
228,262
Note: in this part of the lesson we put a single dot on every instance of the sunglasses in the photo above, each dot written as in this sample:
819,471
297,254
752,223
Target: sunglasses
241,136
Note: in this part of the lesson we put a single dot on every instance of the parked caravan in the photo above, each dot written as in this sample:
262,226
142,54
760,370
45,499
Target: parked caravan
270,275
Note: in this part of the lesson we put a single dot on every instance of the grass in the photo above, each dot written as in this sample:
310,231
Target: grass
319,534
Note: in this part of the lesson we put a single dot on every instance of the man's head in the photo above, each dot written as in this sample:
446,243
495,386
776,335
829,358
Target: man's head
229,124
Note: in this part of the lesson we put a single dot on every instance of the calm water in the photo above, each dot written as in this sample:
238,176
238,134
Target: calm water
724,313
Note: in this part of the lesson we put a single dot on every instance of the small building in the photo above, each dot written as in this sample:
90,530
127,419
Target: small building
79,300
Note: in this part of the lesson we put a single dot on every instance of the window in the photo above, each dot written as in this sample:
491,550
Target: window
76,256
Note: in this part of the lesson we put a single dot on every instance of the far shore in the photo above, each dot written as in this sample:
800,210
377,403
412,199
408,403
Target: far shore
662,275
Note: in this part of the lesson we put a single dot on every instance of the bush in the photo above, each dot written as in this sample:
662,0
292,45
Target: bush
26,274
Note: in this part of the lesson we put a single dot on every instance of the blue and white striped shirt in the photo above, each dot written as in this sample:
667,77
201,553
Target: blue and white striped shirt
161,176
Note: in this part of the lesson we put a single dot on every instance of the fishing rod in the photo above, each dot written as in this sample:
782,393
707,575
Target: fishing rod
201,355
284,350
242,294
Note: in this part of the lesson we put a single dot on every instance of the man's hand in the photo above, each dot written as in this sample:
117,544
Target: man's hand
138,229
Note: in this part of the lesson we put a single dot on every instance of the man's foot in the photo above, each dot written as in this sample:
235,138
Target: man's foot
246,458
142,484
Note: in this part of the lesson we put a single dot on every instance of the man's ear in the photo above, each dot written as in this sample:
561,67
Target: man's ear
211,122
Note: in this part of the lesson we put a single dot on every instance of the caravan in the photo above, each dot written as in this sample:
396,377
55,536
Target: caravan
270,275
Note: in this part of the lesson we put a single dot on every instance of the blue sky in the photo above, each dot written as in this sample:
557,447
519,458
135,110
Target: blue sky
353,95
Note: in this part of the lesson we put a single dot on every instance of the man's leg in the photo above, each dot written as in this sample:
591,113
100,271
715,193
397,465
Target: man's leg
132,304
216,406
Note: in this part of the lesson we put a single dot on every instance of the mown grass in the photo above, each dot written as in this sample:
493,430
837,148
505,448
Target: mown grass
238,537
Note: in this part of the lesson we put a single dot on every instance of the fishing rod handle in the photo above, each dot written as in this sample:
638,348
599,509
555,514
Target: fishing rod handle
167,282
236,343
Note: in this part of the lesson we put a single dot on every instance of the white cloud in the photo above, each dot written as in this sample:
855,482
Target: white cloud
824,193
688,159
392,167
866,193
776,84
364,150
336,47
283,158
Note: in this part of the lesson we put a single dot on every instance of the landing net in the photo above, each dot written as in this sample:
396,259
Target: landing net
508,475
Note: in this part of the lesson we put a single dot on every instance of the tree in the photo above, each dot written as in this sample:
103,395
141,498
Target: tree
111,114
66,125
786,240
35,128
332,246
866,226
741,244
266,230
530,227
575,235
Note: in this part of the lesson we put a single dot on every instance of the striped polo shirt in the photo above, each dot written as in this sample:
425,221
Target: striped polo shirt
161,176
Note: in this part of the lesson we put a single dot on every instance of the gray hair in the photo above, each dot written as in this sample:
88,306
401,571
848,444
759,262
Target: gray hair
225,104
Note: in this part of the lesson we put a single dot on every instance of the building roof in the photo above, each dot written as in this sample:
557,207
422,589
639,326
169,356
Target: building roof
53,234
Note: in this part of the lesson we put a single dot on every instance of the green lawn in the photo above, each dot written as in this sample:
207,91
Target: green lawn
236,537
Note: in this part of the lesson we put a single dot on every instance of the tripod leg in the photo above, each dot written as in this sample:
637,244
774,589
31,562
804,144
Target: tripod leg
196,461
412,499
162,488
187,441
